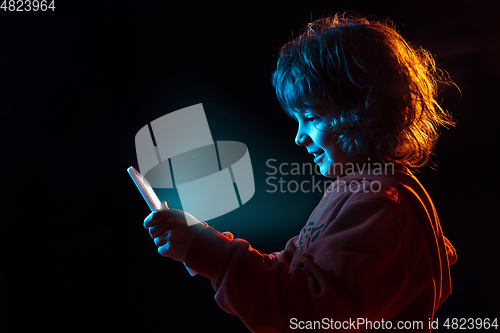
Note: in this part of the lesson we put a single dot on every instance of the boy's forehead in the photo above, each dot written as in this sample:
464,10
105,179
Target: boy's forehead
297,114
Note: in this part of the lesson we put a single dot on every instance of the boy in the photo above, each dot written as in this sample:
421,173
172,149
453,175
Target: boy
372,254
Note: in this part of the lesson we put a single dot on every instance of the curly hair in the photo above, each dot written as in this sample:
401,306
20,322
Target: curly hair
381,90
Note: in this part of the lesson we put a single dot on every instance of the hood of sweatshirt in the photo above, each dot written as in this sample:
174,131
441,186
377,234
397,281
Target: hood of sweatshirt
442,251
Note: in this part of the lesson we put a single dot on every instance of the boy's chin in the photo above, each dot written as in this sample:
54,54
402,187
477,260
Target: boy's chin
328,173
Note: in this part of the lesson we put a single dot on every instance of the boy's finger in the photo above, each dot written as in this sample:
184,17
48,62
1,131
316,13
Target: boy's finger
147,219
160,229
155,217
158,226
162,240
163,250
164,205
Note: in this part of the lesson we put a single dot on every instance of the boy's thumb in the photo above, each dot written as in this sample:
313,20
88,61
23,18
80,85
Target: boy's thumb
164,205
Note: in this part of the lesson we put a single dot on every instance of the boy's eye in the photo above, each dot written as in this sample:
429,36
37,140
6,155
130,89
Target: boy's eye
319,122
313,119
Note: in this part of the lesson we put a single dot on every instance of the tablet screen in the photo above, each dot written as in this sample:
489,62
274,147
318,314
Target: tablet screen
146,190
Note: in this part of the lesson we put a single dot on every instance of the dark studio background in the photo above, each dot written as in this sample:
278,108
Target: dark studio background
78,83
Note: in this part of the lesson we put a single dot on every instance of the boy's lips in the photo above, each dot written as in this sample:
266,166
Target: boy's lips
317,156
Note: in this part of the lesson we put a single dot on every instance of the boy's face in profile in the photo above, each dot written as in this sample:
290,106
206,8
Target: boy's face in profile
314,135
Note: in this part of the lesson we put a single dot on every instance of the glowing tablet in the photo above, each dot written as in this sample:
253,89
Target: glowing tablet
145,188
150,196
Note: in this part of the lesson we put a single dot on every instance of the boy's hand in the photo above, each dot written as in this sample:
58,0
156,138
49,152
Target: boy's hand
171,233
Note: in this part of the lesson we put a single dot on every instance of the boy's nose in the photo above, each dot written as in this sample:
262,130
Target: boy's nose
301,139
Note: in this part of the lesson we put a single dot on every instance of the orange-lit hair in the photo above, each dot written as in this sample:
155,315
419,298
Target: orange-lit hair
381,90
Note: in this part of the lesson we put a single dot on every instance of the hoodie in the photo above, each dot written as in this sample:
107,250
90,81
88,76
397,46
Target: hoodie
372,255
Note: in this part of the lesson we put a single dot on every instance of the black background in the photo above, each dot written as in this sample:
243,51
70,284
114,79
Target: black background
78,83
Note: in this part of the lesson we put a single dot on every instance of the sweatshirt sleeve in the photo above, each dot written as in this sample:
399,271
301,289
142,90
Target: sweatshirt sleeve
356,268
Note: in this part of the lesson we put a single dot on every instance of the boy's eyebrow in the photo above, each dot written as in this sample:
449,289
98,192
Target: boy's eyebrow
291,114
312,111
295,115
